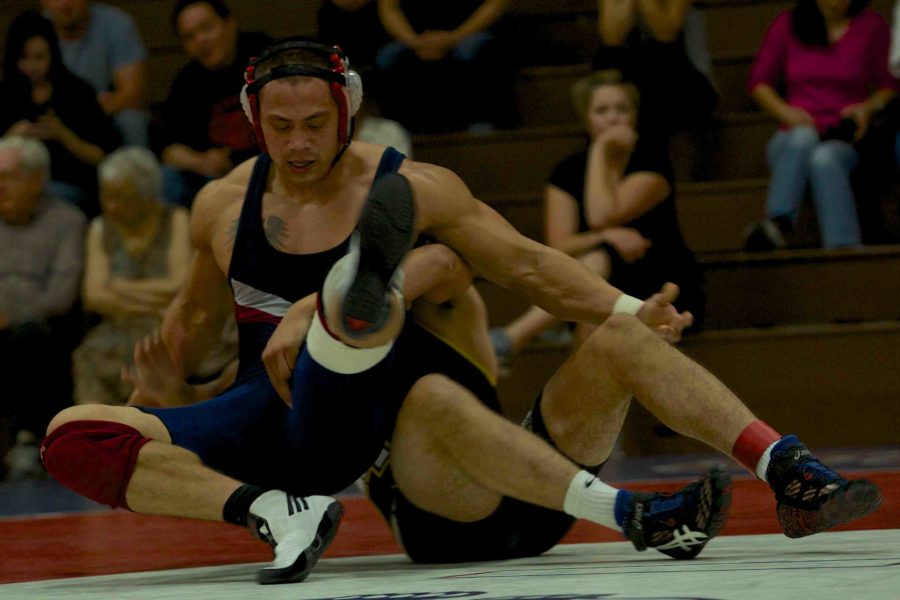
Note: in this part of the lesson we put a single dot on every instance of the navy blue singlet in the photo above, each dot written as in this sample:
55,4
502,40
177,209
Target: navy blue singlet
266,281
338,423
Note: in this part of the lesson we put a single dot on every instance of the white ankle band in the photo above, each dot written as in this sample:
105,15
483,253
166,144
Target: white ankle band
627,304
338,357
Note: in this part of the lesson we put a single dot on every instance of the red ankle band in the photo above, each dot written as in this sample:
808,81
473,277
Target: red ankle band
752,442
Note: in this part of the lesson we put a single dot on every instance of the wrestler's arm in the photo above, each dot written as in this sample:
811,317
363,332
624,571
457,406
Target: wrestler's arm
434,274
496,251
193,322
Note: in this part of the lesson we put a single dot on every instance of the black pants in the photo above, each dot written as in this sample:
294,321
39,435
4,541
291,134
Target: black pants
35,367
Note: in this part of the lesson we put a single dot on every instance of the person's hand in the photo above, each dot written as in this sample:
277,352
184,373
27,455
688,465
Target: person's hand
48,127
106,100
861,115
280,353
796,117
659,314
434,45
617,142
156,378
627,241
216,162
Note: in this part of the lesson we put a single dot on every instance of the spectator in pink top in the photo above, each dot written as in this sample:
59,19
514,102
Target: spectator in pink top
830,59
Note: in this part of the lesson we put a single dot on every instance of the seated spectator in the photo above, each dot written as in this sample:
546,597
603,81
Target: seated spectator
353,26
41,258
205,133
831,59
41,99
444,69
137,257
612,206
661,46
101,45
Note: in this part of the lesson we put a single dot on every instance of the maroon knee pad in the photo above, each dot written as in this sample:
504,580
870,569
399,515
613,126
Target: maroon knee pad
94,458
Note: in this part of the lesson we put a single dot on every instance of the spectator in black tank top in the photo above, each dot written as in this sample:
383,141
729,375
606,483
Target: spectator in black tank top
612,206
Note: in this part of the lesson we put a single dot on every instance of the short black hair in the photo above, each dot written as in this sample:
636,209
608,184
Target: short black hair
219,7
809,24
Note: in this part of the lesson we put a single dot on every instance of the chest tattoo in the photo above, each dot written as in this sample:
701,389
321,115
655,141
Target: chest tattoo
276,230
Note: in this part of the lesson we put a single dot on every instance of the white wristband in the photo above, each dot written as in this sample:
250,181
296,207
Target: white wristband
627,304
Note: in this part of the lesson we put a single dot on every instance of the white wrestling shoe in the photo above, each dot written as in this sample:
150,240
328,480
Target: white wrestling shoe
299,530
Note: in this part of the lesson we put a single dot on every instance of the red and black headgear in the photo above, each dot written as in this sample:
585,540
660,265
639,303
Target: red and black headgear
345,84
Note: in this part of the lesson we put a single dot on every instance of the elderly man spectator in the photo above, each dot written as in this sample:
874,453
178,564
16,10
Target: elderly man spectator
101,44
41,258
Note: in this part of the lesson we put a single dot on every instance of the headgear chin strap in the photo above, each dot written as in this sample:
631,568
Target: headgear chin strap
345,85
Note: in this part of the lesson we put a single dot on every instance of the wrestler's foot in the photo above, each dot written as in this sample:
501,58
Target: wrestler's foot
299,530
386,232
680,524
810,496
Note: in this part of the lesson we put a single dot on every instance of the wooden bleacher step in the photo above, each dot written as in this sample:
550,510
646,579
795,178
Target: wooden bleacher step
519,161
802,286
543,94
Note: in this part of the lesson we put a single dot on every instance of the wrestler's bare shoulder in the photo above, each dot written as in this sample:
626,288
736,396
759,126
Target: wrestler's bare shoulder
222,194
219,203
441,195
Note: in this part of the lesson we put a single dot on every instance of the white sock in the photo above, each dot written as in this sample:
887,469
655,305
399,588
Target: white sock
338,357
763,465
591,499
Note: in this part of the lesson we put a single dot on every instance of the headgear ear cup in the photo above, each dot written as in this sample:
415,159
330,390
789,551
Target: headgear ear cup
250,106
354,91
245,105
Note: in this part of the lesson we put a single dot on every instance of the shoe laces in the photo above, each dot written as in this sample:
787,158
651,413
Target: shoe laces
815,473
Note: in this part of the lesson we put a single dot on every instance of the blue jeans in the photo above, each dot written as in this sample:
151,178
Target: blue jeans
797,158
466,51
134,127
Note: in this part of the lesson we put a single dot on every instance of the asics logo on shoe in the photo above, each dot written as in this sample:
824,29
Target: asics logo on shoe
684,539
296,504
800,452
